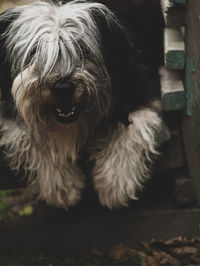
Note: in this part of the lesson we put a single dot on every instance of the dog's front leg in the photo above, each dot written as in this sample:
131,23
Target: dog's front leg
55,179
123,163
58,185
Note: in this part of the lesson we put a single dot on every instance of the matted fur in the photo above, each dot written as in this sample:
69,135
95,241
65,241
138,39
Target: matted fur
52,175
63,29
46,43
58,54
123,162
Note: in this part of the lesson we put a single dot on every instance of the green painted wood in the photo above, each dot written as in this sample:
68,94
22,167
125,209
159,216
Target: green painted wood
191,117
175,59
173,101
190,86
174,48
174,15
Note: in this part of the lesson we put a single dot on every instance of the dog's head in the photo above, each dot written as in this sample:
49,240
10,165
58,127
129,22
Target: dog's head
65,61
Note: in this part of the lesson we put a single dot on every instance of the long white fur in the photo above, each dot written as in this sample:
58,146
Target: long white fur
55,32
47,149
52,175
124,160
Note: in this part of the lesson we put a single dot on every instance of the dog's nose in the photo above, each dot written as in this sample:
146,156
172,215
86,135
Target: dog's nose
63,89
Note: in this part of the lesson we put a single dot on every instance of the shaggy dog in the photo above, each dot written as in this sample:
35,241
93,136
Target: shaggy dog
70,83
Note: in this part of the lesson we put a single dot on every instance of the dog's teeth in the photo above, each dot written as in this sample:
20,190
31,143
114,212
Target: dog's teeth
66,115
58,110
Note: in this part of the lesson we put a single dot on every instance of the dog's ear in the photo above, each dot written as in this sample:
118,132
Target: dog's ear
119,60
6,18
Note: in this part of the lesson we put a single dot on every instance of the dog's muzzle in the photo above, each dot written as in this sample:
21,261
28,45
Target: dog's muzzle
66,110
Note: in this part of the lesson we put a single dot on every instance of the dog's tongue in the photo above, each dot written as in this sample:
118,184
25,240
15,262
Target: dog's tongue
67,114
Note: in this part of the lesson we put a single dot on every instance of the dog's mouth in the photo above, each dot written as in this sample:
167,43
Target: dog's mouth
67,114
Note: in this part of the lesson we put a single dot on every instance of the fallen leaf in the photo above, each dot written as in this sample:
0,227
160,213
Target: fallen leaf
183,251
96,252
27,210
164,258
118,251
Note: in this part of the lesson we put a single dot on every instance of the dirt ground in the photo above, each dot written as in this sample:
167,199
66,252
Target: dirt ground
175,252
178,251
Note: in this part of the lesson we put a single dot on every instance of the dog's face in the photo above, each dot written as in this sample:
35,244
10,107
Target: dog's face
68,63
57,62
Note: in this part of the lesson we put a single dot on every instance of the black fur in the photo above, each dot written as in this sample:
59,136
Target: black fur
7,105
134,82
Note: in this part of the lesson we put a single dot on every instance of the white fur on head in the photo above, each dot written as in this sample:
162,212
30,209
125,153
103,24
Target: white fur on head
48,42
45,34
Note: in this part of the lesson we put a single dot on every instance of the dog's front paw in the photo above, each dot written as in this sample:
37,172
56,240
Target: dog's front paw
62,198
115,191
59,187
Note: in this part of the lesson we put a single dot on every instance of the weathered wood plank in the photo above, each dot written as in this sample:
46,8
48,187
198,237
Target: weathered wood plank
172,156
174,48
172,90
174,14
184,192
164,135
82,230
191,117
178,1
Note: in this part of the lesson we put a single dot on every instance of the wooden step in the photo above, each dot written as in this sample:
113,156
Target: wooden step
178,1
184,192
190,122
172,155
174,14
80,231
174,48
172,90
